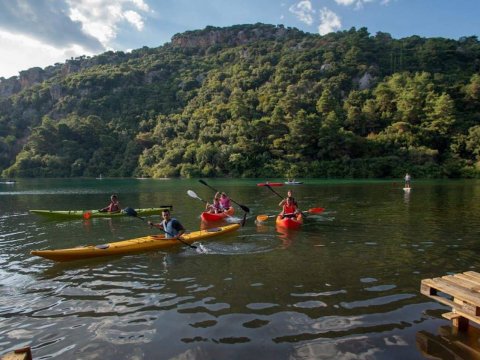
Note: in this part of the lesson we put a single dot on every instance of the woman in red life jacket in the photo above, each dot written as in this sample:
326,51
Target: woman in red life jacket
290,208
289,194
114,205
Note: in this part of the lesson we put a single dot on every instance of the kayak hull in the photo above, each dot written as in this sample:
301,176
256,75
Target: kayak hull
270,184
208,217
80,214
293,223
142,244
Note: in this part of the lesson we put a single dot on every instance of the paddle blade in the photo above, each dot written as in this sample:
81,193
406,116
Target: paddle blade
131,212
192,194
317,210
262,218
87,215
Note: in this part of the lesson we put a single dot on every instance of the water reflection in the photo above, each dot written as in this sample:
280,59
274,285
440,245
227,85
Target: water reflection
449,343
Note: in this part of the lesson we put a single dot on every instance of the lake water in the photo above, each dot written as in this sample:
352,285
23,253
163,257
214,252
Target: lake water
344,287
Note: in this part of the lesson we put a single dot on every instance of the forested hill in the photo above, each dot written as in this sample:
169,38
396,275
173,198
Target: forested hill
254,101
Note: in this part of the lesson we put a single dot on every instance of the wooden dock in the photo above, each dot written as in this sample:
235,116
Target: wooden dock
459,291
19,354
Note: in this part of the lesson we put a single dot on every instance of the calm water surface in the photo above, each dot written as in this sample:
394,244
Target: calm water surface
345,286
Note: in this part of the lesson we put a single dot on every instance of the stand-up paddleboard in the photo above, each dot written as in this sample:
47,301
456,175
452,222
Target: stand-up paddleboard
407,189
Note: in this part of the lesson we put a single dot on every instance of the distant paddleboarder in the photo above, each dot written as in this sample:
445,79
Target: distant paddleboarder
407,181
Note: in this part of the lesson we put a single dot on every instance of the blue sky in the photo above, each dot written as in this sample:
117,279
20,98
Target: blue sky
44,32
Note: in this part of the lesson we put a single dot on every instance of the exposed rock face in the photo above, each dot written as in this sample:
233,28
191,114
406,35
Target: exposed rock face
232,37
26,79
30,77
9,86
365,81
36,75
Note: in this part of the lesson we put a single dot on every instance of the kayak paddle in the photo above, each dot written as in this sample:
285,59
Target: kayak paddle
264,217
131,212
244,208
276,193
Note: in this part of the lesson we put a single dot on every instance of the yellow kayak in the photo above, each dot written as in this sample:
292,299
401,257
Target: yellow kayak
146,243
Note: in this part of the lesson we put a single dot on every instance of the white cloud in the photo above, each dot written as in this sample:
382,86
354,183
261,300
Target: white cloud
358,3
304,11
19,50
329,21
346,2
134,18
44,32
101,18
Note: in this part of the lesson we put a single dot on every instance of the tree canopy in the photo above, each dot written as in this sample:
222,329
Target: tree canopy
266,102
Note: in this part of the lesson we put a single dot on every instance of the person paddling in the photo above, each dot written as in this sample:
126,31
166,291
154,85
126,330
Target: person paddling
114,205
215,207
224,201
289,194
172,227
289,208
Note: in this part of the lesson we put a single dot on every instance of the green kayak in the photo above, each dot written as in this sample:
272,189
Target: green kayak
87,214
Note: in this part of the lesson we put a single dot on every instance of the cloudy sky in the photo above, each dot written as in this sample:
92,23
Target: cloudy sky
44,32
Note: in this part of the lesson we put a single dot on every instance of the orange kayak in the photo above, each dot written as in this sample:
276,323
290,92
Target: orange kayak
294,223
206,216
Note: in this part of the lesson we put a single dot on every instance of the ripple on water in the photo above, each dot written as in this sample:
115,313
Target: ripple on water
381,288
261,306
324,293
256,323
310,304
246,244
376,301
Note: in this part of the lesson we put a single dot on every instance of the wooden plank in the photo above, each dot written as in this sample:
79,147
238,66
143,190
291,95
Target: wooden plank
471,280
470,299
426,289
445,301
19,354
451,315
464,282
473,274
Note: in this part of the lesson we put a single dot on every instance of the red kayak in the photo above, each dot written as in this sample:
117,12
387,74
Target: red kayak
293,223
206,216
270,184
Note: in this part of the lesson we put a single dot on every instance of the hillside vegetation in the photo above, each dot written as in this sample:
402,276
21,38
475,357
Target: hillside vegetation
251,101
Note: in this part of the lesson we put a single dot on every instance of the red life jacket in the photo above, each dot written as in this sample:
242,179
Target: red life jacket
289,209
113,207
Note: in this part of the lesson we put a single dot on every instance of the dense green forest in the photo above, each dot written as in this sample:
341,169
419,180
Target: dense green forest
251,101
